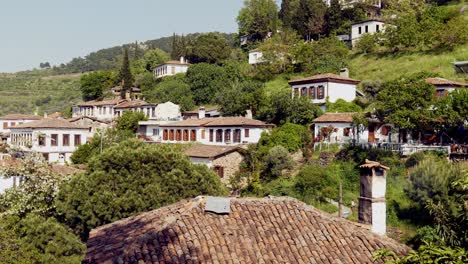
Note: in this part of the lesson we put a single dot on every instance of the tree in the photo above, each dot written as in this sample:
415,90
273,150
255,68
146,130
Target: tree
125,75
129,121
209,48
205,81
257,18
173,89
94,84
287,12
309,21
290,136
334,16
236,98
130,178
150,60
341,106
44,65
277,160
367,43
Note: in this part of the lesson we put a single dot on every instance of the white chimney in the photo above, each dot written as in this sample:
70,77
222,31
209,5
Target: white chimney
372,207
182,59
344,72
248,114
201,112
45,115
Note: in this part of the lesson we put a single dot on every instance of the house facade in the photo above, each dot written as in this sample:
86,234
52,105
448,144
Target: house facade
322,87
94,124
339,128
221,131
255,56
56,139
171,68
12,120
103,110
201,112
351,3
365,27
444,86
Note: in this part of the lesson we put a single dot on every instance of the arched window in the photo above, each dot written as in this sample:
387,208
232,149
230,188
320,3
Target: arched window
321,92
312,92
304,91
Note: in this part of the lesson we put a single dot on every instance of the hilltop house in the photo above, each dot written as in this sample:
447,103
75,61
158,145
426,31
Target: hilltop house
338,128
56,139
222,131
255,57
102,110
12,120
444,86
238,230
322,87
224,160
171,68
365,27
351,3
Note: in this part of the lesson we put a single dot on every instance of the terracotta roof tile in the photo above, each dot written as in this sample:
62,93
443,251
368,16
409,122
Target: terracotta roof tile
20,117
174,62
210,152
49,123
325,77
132,103
335,118
218,122
257,230
444,82
104,102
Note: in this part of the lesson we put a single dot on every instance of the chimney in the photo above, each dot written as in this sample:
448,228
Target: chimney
201,112
344,72
372,207
248,114
182,59
45,115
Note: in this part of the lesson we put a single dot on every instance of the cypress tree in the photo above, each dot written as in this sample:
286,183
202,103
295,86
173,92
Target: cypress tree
125,75
174,47
334,16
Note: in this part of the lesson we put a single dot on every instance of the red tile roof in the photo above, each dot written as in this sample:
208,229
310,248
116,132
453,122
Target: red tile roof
132,104
174,62
335,118
326,77
219,122
444,82
101,103
256,230
49,123
20,117
209,152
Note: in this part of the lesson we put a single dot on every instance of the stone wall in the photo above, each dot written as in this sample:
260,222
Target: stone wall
230,163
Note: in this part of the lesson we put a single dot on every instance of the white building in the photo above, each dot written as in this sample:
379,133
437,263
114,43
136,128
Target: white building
56,139
322,87
103,110
171,68
338,128
255,56
222,131
365,27
444,86
351,3
12,120
204,111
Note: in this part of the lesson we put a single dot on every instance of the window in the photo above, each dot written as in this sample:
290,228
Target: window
178,135
171,134
186,135
77,140
219,171
165,134
156,132
360,30
203,134
246,132
321,92
66,140
367,29
193,135
54,140
237,136
46,156
312,92
5,125
346,131
441,93
227,135
211,135
219,135
385,130
13,124
377,28
173,70
296,92
42,140
304,91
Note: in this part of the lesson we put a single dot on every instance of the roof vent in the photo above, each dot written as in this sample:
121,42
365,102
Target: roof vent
218,205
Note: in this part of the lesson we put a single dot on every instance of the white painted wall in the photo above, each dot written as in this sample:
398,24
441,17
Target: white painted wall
255,57
372,27
105,112
169,69
363,137
379,218
332,90
205,161
5,123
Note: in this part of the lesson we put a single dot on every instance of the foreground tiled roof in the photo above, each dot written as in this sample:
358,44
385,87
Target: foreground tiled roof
444,82
257,230
326,77
132,103
207,151
103,102
49,123
20,117
335,117
218,122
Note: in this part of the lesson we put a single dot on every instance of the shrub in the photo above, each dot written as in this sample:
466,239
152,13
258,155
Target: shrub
277,160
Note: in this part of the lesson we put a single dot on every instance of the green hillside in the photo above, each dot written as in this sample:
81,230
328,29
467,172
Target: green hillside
26,92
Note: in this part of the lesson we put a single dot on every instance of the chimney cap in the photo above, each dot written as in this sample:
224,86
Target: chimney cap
373,164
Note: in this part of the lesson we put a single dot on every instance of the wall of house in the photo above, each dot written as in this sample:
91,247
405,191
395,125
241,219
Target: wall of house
5,123
332,90
230,163
338,136
205,161
255,57
94,125
105,112
169,69
371,28
167,111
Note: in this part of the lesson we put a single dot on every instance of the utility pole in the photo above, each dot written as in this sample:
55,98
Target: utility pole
340,201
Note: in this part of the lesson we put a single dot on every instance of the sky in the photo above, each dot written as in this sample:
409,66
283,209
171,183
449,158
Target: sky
55,31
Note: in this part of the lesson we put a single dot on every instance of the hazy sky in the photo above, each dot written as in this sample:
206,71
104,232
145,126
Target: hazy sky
34,31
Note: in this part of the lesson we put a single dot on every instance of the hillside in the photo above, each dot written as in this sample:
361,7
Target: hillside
27,92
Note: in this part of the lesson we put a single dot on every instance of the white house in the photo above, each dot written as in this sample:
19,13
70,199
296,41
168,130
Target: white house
204,111
444,86
255,56
365,27
322,87
56,139
338,128
94,124
351,3
103,110
12,120
222,131
171,68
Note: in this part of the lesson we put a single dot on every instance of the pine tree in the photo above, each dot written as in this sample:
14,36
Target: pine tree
125,75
